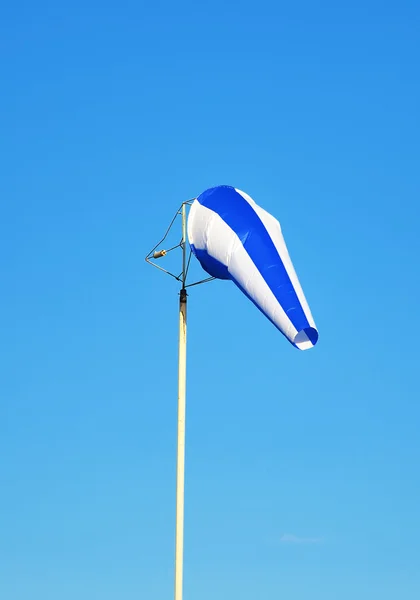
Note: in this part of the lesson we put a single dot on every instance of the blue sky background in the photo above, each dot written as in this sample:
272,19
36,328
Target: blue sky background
302,468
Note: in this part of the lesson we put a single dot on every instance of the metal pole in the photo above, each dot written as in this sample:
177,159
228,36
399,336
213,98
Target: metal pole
180,469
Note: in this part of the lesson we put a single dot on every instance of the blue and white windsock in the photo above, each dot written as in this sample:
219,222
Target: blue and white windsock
234,238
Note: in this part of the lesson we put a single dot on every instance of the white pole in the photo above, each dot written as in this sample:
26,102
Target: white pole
180,469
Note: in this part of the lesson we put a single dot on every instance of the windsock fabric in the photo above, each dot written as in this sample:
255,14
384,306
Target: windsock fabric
234,238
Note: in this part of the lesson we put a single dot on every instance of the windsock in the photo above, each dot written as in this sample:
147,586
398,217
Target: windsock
234,238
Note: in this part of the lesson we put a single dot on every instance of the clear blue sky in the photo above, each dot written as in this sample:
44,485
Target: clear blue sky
302,468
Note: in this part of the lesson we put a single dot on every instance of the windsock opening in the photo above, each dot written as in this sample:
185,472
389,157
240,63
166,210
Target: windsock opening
306,338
